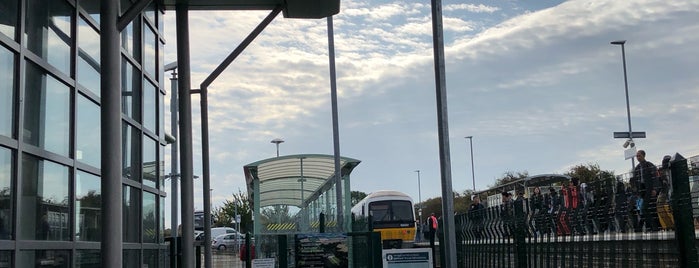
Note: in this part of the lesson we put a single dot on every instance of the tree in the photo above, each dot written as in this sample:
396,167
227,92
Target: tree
357,196
589,173
225,215
510,176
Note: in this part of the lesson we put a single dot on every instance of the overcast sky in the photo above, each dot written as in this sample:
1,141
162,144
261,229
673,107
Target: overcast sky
535,82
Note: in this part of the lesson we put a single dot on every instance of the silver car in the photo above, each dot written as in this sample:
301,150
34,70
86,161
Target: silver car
228,241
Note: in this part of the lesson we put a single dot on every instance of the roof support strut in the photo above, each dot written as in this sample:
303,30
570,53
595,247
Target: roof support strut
205,126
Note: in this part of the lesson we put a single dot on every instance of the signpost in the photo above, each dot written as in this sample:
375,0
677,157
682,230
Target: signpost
625,135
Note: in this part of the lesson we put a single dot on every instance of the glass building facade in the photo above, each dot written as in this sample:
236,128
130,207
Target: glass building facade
50,184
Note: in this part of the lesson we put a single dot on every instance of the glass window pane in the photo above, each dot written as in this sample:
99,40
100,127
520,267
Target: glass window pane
7,90
47,32
46,111
92,8
131,39
161,223
150,218
6,217
130,90
88,204
162,167
88,73
130,151
44,214
161,115
131,212
150,258
88,146
150,164
149,56
87,258
149,105
132,258
44,258
6,258
8,17
150,12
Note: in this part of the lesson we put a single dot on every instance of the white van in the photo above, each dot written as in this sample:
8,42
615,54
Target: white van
215,232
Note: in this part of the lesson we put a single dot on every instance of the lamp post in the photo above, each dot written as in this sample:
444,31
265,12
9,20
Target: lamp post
473,174
419,196
626,90
277,141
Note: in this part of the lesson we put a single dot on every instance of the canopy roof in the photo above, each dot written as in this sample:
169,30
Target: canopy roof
285,180
301,9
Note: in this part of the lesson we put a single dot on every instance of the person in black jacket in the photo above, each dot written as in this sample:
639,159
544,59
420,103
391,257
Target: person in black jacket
476,214
645,177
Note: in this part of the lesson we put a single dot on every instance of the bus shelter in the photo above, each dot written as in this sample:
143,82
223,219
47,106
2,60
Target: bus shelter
289,193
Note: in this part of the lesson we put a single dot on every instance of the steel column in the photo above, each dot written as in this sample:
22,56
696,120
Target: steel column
174,169
443,128
336,131
110,115
185,103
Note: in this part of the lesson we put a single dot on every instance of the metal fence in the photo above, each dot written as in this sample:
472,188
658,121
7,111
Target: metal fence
603,223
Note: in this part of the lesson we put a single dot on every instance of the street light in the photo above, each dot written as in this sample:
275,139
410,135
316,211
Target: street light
473,174
277,141
419,196
626,90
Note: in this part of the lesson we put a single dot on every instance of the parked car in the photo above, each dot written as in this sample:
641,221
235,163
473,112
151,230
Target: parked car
226,241
218,231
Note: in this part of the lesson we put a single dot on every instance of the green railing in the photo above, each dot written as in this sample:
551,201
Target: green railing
605,228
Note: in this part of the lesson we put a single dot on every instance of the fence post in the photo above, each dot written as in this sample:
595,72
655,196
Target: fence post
682,212
282,251
520,233
376,247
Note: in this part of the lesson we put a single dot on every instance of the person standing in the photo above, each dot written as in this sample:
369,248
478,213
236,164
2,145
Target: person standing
475,214
432,225
645,178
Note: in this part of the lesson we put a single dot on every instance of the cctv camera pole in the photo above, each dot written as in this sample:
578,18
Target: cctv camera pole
626,90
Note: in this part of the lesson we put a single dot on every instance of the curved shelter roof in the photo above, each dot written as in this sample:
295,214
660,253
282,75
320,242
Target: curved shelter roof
294,180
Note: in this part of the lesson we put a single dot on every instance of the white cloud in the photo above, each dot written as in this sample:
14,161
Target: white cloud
481,8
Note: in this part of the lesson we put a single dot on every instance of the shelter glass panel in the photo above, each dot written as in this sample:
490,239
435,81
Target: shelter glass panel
6,190
8,17
88,206
88,131
88,73
45,203
7,91
47,32
46,111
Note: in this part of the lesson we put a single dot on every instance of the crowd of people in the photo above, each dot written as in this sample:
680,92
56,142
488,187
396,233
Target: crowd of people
575,208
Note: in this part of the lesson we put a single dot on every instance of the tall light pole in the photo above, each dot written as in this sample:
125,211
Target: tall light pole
626,90
277,141
419,196
473,174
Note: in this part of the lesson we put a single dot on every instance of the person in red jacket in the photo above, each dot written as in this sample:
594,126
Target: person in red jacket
243,252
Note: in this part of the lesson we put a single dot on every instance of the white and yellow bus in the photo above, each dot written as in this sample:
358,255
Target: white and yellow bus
392,215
